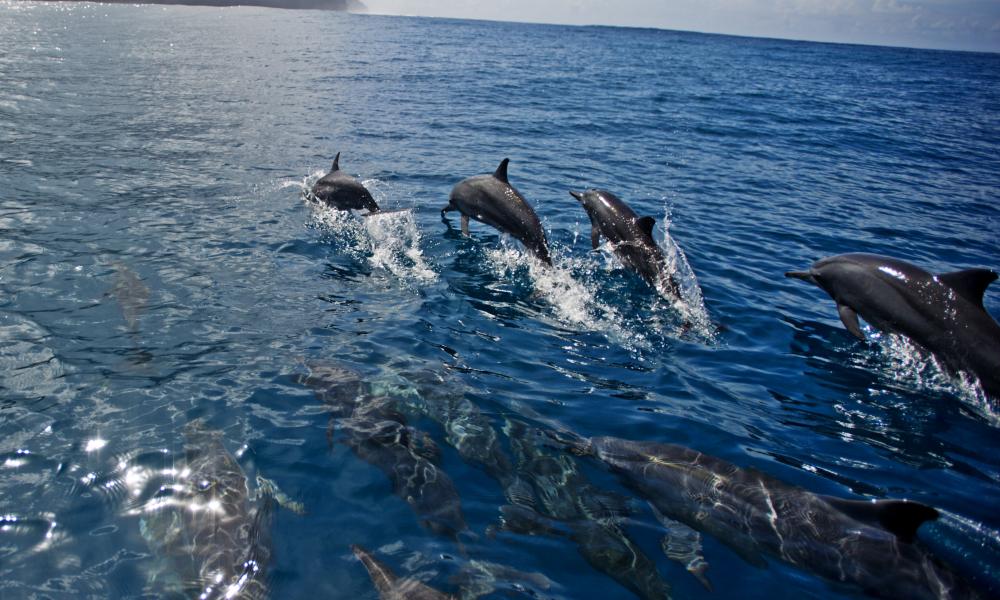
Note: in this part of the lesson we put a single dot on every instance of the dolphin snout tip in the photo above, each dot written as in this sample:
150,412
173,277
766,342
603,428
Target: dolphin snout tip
803,275
577,195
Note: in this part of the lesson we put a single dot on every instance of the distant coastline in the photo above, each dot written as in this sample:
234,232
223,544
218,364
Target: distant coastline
342,5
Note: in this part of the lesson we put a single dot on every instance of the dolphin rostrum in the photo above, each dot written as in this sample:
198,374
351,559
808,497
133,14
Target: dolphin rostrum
339,190
867,544
631,238
491,199
942,313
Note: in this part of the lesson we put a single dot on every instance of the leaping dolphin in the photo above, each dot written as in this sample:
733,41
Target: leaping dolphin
941,313
491,199
631,238
339,190
867,544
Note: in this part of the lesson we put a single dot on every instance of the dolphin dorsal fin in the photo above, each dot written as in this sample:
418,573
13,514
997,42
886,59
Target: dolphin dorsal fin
646,225
336,163
501,172
970,284
900,517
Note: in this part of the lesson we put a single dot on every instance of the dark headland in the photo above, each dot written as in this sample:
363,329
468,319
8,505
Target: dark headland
352,5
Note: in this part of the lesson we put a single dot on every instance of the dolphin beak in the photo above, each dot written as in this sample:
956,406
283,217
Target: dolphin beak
803,275
577,195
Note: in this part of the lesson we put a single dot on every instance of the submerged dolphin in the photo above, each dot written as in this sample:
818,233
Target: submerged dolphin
631,238
211,535
377,432
868,544
491,199
942,313
392,587
339,190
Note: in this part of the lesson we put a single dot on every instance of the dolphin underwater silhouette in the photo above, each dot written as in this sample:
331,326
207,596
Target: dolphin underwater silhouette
943,314
631,238
210,534
392,587
867,544
492,200
339,190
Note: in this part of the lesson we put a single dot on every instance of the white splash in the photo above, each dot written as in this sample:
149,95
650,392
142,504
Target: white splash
573,302
391,240
691,305
395,242
909,366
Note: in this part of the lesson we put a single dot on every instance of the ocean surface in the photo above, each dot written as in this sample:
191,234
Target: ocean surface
160,267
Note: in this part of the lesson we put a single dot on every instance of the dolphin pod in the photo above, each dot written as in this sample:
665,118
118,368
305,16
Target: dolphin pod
942,313
871,546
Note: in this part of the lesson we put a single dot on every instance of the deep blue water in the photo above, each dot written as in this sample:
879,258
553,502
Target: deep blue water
158,265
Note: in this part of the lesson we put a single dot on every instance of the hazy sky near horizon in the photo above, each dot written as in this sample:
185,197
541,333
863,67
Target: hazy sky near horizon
950,24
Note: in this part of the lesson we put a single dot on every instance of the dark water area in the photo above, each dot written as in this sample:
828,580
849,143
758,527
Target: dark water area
159,267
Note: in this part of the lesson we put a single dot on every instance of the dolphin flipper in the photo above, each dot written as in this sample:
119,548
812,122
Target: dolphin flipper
683,544
595,237
970,284
850,320
465,225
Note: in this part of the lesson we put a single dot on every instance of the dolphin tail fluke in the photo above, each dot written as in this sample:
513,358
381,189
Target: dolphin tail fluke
803,275
900,517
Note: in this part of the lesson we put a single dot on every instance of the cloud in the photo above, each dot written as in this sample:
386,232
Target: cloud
958,24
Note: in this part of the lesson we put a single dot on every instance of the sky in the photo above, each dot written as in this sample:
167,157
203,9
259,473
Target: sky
946,24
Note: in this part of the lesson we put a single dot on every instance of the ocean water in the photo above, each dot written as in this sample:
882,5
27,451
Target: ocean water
159,266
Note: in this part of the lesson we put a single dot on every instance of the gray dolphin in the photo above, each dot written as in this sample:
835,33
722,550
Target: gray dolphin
631,238
868,544
491,199
392,587
941,313
339,190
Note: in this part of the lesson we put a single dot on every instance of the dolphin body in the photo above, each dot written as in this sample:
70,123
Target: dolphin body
339,190
212,535
941,313
867,544
377,432
492,200
631,238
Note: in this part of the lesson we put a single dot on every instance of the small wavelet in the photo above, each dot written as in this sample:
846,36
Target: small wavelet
907,365
29,369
